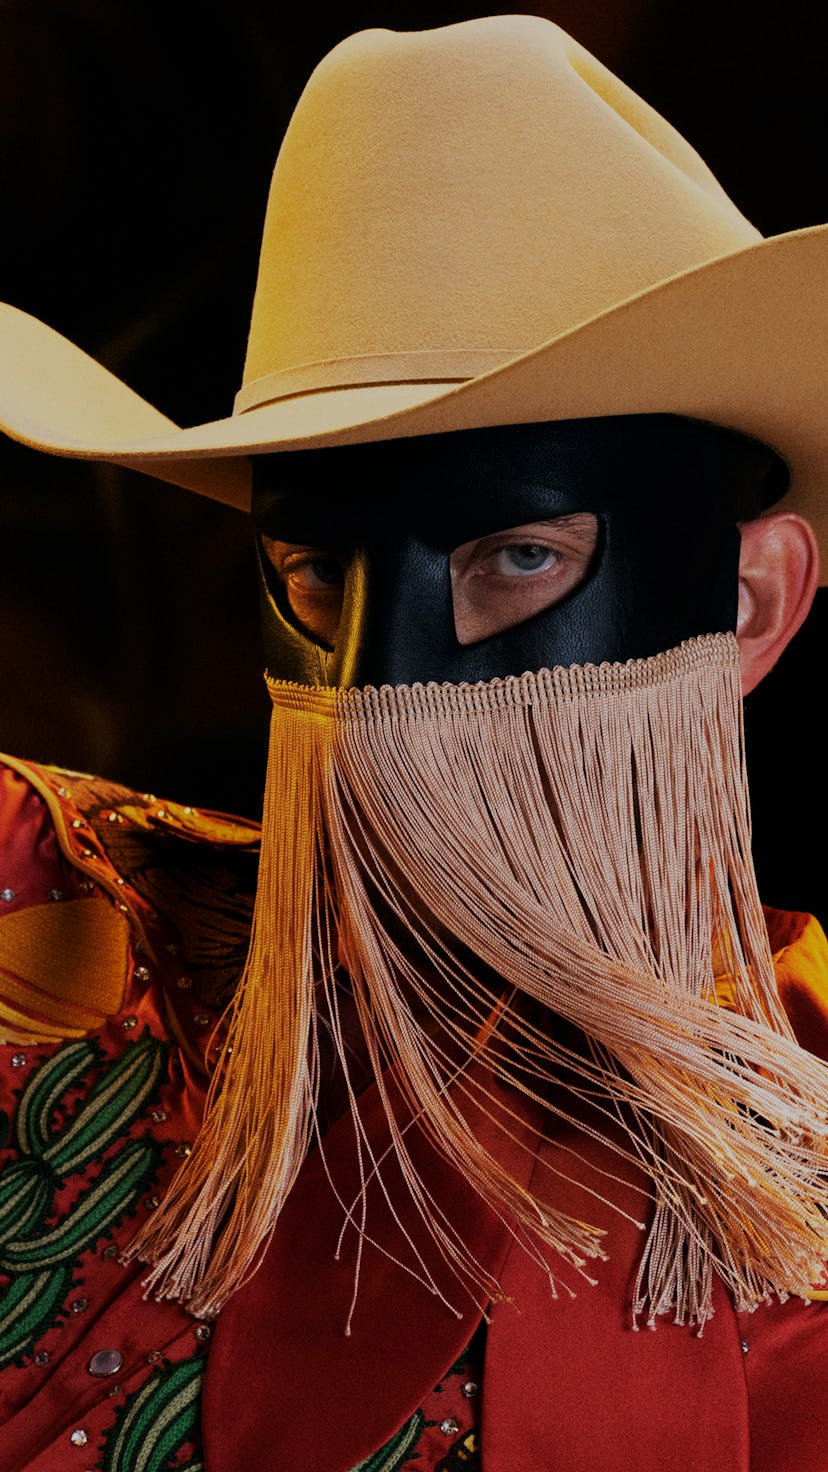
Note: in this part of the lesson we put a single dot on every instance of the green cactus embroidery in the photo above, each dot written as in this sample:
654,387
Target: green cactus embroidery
30,1303
56,1142
157,1421
396,1451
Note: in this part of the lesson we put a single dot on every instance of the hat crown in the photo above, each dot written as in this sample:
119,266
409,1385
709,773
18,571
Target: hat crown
446,200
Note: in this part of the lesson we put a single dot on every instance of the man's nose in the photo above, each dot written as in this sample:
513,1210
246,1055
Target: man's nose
397,623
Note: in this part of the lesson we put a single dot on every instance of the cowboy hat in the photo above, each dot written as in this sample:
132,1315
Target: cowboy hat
472,226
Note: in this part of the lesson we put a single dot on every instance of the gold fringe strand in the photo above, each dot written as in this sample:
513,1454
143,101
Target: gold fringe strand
218,1215
581,838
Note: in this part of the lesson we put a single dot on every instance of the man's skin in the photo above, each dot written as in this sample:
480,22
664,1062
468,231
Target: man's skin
778,577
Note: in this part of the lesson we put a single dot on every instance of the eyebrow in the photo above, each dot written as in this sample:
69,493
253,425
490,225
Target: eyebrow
581,523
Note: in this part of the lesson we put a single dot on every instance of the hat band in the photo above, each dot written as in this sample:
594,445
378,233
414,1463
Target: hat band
440,365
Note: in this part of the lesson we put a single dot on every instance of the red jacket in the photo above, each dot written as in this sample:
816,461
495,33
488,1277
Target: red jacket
549,1384
567,1384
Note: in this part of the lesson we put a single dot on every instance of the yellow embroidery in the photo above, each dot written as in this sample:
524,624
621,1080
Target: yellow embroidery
63,968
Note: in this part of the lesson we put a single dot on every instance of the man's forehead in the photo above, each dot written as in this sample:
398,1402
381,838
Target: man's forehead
468,482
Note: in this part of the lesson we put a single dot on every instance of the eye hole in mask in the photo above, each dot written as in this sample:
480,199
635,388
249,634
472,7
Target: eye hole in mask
503,579
313,584
497,581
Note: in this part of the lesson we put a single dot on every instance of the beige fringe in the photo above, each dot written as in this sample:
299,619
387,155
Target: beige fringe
579,837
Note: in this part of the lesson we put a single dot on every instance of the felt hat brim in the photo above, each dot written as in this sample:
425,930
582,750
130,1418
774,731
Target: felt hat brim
741,341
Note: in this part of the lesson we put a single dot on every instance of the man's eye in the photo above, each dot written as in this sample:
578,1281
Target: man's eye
502,580
520,558
316,573
312,586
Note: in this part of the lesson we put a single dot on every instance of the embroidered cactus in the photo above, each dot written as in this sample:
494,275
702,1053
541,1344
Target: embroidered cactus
40,1244
396,1451
158,1421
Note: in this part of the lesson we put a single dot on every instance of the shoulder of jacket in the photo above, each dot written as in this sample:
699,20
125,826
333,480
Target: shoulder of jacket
194,866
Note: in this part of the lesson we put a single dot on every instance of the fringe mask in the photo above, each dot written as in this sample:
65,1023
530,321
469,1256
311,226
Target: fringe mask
539,877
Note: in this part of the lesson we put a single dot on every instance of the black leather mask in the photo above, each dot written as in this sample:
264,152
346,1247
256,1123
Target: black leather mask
667,493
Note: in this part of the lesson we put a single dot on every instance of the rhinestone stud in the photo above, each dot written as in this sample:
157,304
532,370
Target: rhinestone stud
129,1023
183,1150
78,1305
105,1362
18,1060
745,1347
202,1019
152,1202
469,1389
77,823
7,895
184,983
142,972
449,1426
78,1437
202,1332
54,894
110,1251
42,1357
158,1116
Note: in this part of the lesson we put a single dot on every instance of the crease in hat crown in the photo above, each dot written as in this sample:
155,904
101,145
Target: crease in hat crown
473,226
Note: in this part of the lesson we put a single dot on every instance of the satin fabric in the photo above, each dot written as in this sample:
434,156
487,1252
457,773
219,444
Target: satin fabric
568,1383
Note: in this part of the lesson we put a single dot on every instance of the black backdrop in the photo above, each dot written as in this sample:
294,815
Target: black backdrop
137,143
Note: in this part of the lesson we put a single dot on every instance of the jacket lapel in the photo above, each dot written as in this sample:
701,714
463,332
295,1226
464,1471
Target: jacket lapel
286,1387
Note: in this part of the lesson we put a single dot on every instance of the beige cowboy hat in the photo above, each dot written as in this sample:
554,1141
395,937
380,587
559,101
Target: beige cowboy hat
473,226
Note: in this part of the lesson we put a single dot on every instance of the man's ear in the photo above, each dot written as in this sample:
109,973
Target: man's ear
778,576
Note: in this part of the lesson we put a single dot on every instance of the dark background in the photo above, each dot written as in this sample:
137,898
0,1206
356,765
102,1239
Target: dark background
137,144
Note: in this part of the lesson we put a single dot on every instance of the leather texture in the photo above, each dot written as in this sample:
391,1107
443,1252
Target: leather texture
667,493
